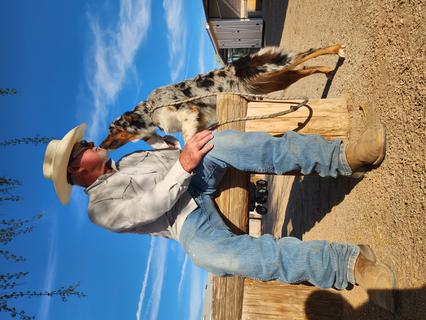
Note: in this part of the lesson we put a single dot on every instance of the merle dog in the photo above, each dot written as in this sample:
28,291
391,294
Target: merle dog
268,70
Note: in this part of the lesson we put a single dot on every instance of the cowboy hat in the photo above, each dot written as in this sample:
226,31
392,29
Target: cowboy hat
56,160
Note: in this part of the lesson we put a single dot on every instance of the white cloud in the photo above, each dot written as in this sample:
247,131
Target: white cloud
50,273
145,279
206,55
182,276
177,36
195,286
113,55
202,51
157,263
196,294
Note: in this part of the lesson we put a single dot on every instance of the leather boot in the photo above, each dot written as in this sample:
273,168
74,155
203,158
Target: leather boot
369,151
377,278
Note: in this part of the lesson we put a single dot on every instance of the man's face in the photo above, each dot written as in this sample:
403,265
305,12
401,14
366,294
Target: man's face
88,165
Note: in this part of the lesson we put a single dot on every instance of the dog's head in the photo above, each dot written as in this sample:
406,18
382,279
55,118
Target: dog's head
130,126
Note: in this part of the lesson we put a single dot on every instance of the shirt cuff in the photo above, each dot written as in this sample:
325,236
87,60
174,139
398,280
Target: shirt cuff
178,173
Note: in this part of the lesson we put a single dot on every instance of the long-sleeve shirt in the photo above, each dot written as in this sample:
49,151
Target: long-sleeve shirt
147,194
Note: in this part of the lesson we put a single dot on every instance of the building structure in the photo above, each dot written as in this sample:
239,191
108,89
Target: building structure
235,27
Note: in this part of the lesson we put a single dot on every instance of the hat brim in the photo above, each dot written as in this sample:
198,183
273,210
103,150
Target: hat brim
60,162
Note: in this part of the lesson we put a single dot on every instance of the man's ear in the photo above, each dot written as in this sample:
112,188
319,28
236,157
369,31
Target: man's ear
77,170
73,169
78,175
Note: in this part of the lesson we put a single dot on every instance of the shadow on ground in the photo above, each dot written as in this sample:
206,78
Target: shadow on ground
323,195
411,305
330,79
274,12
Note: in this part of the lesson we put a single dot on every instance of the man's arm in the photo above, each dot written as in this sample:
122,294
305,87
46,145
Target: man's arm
119,214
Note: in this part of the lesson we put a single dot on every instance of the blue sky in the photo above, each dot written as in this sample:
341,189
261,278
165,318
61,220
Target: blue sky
89,61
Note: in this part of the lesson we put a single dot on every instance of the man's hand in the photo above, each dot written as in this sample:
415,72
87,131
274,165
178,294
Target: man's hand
195,149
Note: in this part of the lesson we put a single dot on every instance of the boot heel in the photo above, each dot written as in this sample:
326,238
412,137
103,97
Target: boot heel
367,252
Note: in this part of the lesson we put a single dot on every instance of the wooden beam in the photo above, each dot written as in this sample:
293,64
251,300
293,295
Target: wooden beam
232,202
276,300
326,117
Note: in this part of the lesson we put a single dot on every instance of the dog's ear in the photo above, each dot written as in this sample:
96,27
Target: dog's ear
128,118
134,121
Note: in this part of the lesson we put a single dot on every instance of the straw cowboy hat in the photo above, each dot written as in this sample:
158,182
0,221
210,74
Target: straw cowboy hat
56,160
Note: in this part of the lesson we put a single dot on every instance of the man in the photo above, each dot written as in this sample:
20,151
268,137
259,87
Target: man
168,192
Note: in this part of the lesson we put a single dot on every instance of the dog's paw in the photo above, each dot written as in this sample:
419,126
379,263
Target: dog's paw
342,51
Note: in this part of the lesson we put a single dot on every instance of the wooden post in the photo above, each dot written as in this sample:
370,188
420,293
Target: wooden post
227,293
233,198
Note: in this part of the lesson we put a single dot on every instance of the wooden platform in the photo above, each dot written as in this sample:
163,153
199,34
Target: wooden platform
239,298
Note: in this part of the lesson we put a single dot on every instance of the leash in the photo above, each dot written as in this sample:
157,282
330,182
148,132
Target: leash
247,96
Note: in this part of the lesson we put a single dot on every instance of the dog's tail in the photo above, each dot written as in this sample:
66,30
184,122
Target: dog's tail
268,70
271,68
266,60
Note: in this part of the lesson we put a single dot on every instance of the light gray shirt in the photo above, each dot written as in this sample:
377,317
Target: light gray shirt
147,194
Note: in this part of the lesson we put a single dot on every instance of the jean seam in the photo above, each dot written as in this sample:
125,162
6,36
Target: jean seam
209,177
351,265
205,211
343,161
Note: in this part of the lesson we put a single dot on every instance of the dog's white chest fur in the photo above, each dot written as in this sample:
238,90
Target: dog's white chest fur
184,119
168,120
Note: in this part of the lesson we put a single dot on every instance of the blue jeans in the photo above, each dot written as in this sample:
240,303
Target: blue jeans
212,246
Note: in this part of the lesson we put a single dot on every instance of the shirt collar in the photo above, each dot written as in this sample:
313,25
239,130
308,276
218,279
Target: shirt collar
103,177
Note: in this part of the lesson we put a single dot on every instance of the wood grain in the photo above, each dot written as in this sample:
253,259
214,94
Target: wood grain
232,202
326,117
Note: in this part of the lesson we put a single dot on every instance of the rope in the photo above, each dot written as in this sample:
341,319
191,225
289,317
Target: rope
265,116
248,96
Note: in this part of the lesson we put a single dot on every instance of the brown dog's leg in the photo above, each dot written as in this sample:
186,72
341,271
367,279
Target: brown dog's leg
310,54
188,117
307,71
280,80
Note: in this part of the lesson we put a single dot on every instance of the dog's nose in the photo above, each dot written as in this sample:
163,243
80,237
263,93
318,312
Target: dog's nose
104,145
110,145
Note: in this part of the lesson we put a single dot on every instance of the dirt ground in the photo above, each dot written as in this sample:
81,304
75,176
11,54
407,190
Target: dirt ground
385,67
